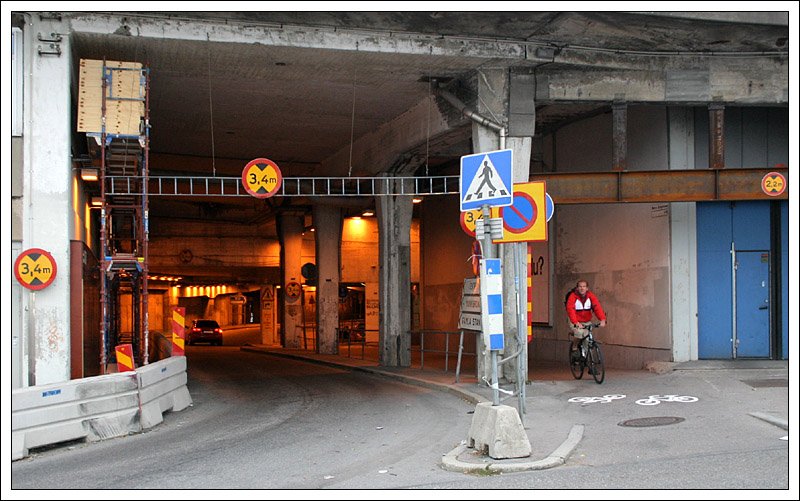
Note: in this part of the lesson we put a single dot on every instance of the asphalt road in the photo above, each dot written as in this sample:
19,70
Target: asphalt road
267,422
261,422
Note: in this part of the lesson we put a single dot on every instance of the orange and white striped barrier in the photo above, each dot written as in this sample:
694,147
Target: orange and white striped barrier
125,357
178,331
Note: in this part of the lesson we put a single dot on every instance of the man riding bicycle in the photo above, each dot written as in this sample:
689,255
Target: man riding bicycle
580,304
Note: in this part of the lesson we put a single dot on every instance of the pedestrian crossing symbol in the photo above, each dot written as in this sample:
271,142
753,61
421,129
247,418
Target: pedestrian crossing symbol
486,179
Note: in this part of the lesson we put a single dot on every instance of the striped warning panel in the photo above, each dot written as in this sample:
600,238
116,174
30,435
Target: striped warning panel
530,292
125,357
492,303
178,331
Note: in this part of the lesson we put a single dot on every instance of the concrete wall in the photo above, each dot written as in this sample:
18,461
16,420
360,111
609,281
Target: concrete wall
446,249
632,278
359,250
47,191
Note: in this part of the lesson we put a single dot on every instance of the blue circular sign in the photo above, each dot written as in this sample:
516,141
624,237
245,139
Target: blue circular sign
550,206
520,215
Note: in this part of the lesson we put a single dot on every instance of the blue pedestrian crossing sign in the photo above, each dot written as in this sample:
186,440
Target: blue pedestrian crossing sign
486,179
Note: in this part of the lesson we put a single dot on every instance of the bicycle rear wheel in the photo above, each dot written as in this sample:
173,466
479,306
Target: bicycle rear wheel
576,364
596,366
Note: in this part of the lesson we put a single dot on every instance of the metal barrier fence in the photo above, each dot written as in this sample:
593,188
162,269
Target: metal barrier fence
353,338
446,351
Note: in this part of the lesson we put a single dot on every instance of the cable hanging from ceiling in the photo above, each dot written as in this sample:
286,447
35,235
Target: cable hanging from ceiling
352,125
211,106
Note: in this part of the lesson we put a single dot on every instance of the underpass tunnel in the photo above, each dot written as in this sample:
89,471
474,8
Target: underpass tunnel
656,157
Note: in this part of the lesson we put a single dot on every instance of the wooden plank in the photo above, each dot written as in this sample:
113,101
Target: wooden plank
122,116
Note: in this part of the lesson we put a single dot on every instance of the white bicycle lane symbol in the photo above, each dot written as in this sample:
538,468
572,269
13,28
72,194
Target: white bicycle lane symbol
651,400
593,400
657,399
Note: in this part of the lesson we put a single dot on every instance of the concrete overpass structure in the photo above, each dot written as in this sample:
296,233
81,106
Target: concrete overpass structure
646,113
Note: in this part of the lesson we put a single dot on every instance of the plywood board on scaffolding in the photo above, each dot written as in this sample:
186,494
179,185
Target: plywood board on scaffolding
124,97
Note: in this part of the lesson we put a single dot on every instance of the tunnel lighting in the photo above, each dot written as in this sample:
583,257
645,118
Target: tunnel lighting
368,213
96,202
416,200
89,174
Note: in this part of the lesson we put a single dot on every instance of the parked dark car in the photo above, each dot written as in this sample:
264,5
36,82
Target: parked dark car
204,331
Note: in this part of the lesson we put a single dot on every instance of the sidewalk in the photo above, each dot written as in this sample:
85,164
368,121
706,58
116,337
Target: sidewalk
552,392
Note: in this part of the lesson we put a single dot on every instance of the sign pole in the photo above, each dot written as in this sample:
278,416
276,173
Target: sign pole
488,253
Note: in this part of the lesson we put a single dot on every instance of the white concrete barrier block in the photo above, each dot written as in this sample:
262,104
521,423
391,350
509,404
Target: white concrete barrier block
498,430
162,389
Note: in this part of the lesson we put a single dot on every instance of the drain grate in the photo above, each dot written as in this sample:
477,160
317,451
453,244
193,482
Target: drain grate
766,383
651,421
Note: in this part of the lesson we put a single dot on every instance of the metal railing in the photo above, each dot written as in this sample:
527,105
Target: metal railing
353,337
446,351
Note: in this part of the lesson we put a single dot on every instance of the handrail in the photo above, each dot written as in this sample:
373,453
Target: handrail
361,342
446,350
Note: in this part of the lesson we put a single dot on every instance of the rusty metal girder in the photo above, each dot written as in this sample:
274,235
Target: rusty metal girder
660,186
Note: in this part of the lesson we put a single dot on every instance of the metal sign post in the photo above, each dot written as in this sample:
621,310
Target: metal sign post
491,301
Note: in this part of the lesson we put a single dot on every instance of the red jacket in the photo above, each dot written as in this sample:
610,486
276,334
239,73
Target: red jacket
579,309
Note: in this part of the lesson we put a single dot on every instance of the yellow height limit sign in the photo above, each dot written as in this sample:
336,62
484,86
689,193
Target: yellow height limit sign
261,177
35,269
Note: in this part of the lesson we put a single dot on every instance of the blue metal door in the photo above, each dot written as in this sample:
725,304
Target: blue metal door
752,304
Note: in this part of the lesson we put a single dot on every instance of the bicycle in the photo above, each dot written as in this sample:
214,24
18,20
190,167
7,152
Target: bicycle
587,354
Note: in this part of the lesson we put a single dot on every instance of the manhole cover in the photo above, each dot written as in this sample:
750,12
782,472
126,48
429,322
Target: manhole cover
766,383
651,421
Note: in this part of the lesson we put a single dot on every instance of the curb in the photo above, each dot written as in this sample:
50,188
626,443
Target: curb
450,461
780,423
467,395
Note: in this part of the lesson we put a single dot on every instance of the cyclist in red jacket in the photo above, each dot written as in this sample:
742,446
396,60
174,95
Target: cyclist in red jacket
580,303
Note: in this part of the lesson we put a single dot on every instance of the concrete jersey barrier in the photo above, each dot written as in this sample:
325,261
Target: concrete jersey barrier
98,407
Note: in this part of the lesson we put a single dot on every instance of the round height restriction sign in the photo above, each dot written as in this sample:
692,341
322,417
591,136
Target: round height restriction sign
35,269
261,177
773,184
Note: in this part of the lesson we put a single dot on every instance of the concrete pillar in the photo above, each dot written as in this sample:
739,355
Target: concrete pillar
619,137
290,233
328,233
394,289
683,242
716,136
503,94
492,103
47,212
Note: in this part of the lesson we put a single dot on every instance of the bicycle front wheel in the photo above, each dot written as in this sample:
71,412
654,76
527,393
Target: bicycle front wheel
596,366
576,364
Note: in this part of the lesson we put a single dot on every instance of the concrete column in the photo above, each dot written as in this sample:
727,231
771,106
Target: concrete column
290,233
47,220
328,233
619,137
683,242
716,136
500,93
394,288
492,103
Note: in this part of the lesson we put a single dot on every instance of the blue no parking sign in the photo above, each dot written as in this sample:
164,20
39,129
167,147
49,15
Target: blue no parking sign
525,220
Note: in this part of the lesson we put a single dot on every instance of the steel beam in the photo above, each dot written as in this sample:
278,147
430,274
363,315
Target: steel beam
693,185
660,186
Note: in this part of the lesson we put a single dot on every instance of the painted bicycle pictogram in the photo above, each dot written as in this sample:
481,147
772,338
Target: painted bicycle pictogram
657,399
593,400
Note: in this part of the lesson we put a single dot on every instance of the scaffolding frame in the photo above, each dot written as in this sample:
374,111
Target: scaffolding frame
124,228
